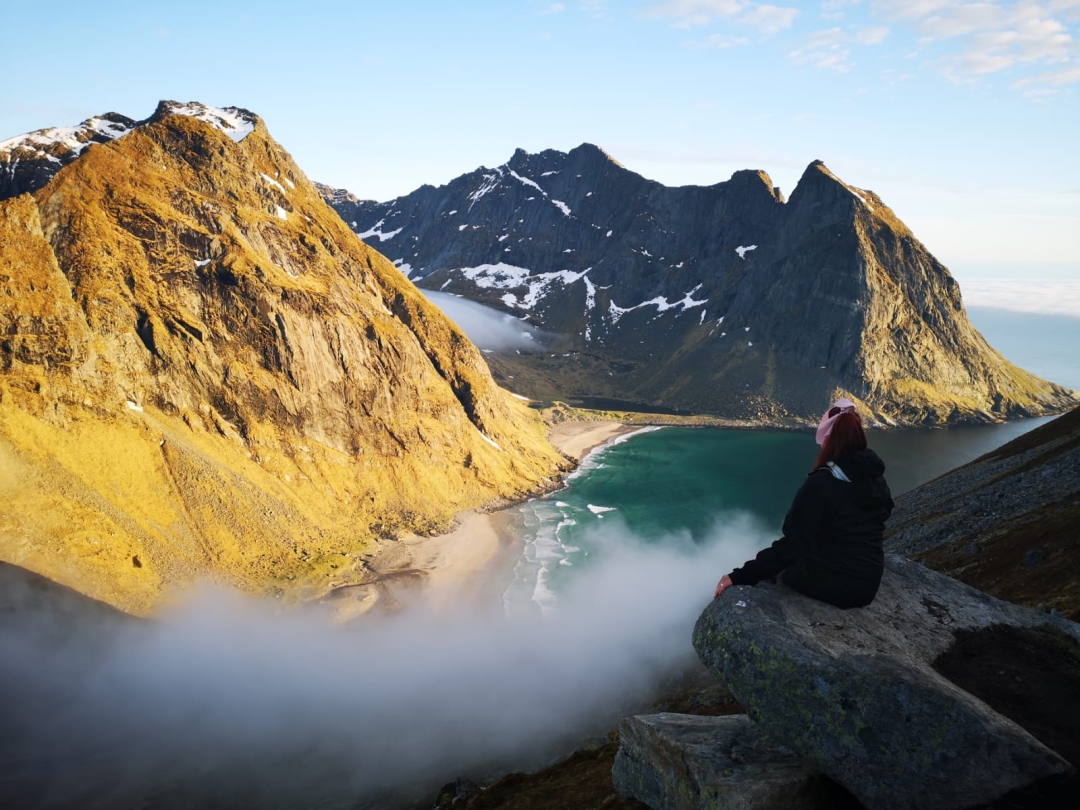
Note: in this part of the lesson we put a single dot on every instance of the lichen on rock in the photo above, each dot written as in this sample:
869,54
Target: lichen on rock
855,692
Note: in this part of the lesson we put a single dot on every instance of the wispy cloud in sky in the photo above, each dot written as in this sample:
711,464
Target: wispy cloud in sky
1033,43
980,39
830,48
678,87
766,19
720,41
824,49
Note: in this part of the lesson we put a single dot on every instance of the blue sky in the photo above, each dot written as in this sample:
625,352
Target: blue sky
963,116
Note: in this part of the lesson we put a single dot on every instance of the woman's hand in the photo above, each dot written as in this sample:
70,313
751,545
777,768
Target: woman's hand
724,583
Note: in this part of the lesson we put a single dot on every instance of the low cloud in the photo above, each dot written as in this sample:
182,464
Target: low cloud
1023,295
227,698
488,328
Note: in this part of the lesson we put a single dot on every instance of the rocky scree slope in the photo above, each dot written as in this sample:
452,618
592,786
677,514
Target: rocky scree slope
1006,522
204,374
724,299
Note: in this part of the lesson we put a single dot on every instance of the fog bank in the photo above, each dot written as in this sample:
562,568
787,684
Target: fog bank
228,697
488,328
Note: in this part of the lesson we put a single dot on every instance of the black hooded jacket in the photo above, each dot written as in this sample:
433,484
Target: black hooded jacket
832,544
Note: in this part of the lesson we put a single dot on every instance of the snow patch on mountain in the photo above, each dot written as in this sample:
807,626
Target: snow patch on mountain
502,276
233,121
73,138
661,303
374,231
490,182
742,250
858,195
527,181
271,181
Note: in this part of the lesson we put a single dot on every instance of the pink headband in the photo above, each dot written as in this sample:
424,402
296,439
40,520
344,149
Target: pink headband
830,417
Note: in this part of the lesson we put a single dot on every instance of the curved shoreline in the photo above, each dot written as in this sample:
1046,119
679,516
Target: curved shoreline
464,564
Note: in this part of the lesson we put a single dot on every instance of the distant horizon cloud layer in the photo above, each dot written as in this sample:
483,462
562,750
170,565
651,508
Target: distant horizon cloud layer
228,694
1060,297
485,326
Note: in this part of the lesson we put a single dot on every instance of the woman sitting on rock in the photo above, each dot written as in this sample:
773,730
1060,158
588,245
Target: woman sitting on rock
831,548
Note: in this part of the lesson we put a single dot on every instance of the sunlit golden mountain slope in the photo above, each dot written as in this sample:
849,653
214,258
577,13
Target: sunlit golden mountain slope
205,374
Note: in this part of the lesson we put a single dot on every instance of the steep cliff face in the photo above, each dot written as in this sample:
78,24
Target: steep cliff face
203,373
723,299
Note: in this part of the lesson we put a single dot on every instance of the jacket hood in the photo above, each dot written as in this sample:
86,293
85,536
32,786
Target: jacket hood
861,466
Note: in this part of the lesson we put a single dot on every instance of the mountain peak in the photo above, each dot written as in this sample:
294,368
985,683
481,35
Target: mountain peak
204,309
752,178
694,297
29,161
818,184
591,150
236,122
52,141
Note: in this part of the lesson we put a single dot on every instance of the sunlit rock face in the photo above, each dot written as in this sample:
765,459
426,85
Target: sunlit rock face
204,374
724,299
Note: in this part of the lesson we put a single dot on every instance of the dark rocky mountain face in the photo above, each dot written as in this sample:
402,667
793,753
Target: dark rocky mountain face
722,299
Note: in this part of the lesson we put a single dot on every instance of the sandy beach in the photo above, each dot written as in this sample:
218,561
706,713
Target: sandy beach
576,439
458,567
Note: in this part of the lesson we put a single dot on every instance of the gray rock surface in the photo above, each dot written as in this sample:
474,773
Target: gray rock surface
685,762
1037,472
855,694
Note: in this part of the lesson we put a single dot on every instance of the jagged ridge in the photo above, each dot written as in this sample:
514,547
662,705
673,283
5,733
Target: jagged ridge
722,299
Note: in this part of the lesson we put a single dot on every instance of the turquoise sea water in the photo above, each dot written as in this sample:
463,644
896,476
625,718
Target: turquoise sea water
678,485
701,486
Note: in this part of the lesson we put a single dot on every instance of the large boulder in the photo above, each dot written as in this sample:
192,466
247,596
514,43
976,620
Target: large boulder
855,693
684,762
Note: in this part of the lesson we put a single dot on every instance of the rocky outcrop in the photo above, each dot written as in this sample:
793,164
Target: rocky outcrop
28,162
721,300
683,762
855,693
1006,522
204,374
